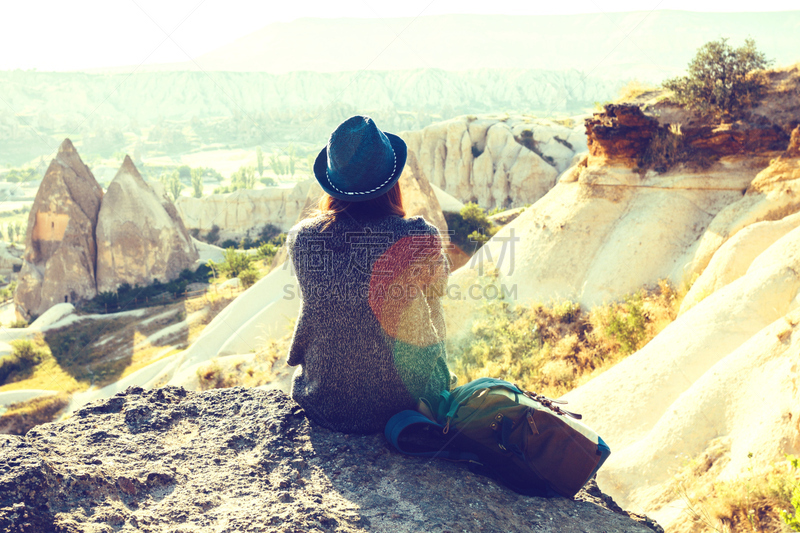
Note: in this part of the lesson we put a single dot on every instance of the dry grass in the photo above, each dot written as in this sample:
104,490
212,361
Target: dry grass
750,503
22,416
633,90
553,349
248,371
216,303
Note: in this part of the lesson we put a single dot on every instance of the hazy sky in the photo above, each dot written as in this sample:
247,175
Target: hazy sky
59,35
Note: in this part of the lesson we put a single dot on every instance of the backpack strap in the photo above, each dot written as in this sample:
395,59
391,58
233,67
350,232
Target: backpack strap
412,433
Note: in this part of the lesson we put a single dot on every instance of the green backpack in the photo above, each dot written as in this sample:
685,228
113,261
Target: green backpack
524,440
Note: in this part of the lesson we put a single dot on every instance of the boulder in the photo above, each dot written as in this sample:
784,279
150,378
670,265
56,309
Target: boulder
140,236
60,252
622,133
248,460
734,138
505,161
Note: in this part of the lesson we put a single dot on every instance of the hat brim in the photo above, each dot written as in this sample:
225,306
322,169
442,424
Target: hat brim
321,172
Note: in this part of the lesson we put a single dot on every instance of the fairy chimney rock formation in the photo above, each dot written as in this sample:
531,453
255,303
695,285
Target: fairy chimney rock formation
60,251
140,236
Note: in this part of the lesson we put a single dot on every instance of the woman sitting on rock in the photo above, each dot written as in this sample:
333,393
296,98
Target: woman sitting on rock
369,340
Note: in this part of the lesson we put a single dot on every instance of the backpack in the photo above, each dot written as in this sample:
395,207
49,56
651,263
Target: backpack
522,439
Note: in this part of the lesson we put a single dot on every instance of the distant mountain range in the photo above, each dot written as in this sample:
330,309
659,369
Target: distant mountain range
171,112
641,44
293,82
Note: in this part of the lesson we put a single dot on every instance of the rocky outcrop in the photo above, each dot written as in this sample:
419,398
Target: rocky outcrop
244,459
60,250
506,161
243,212
734,138
619,134
622,133
448,203
140,236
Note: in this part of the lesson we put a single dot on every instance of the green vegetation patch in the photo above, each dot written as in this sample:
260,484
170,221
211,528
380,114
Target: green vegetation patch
760,500
471,228
722,79
553,349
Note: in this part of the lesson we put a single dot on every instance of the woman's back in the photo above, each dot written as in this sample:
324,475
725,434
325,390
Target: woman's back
370,334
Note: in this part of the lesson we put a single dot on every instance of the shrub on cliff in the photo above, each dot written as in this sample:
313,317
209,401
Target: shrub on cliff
554,348
722,79
469,229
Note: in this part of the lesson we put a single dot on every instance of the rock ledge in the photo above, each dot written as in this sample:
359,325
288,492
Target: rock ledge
248,460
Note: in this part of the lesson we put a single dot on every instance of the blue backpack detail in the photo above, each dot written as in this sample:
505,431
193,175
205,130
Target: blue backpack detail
522,439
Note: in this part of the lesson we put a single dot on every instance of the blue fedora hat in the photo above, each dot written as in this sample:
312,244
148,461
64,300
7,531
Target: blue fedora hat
360,162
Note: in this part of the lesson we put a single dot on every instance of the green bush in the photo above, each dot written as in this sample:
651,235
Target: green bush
722,79
666,148
267,251
551,349
26,351
233,263
471,228
248,277
627,324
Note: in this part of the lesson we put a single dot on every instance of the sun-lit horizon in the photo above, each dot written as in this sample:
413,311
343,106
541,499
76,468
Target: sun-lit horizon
92,34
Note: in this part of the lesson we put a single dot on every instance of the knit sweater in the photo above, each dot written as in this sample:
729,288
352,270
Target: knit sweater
369,340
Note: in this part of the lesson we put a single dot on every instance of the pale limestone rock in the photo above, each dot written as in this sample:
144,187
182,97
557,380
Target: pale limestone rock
482,176
495,160
773,194
243,212
724,370
734,257
529,177
458,160
140,236
60,251
419,198
448,203
607,234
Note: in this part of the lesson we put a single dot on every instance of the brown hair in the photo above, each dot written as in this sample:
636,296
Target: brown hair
387,204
